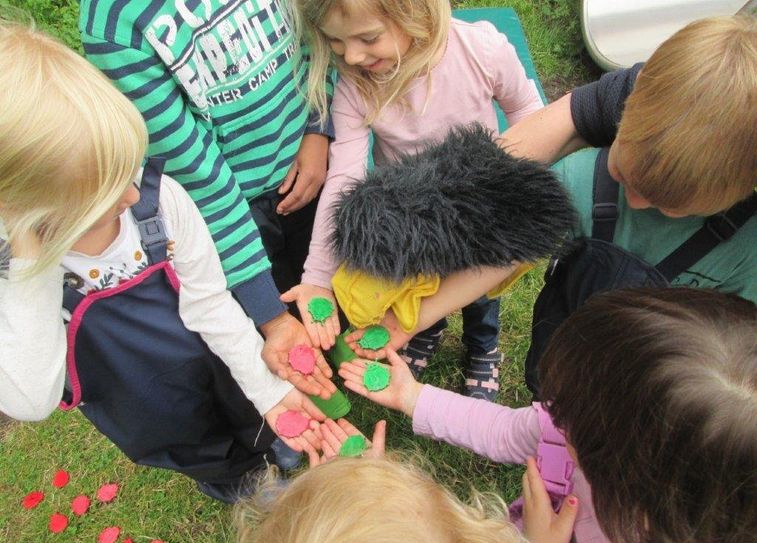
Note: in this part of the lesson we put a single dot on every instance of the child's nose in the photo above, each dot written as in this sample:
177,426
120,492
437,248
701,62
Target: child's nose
353,55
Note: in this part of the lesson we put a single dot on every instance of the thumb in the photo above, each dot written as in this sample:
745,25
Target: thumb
398,365
311,409
566,518
289,296
286,184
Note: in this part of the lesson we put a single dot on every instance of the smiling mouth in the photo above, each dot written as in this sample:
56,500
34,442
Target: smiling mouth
372,66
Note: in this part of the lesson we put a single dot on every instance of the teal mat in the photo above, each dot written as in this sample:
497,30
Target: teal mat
506,21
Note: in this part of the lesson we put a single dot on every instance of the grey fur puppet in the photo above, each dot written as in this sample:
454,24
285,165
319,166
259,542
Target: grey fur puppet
460,203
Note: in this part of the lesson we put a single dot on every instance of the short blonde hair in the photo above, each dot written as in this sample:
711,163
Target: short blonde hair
363,500
70,143
690,123
426,22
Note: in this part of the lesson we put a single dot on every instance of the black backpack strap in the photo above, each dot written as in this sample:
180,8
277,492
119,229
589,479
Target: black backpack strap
716,228
145,212
604,212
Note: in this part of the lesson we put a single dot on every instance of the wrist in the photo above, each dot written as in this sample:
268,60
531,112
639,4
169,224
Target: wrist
274,323
411,398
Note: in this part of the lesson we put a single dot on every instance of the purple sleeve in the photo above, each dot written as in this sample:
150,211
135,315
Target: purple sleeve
597,107
500,433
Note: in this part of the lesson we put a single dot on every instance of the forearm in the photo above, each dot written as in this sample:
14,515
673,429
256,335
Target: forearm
546,135
497,432
459,290
207,307
348,157
32,342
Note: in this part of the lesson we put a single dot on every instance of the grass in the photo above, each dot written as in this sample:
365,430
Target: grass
156,504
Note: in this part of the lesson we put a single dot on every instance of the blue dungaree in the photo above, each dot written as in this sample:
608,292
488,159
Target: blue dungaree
150,385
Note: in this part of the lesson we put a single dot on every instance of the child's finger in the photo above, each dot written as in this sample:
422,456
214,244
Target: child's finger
312,410
353,370
303,384
314,440
292,443
314,459
537,492
329,437
566,518
324,384
338,431
286,184
348,427
378,444
321,364
357,388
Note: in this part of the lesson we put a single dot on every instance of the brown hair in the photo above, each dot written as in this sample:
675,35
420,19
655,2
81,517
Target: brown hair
690,123
656,390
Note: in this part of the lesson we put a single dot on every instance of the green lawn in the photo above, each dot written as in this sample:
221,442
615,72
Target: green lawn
154,504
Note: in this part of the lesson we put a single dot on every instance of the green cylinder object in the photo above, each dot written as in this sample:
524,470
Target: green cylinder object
341,352
335,407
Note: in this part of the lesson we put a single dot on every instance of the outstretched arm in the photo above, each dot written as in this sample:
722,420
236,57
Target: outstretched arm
546,135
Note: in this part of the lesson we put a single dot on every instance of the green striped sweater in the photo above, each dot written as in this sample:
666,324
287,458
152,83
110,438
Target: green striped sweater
215,81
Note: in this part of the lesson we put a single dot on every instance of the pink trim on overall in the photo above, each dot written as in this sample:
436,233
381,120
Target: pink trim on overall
78,315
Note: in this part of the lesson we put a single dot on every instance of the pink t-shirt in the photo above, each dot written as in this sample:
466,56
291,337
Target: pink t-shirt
500,433
479,65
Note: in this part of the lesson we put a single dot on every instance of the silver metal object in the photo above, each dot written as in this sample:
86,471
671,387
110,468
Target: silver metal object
620,33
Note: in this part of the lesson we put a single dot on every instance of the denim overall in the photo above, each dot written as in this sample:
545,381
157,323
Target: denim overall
149,384
597,265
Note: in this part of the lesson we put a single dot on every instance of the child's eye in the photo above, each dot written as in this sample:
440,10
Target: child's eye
371,39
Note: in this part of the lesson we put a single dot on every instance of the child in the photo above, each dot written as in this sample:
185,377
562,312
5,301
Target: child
648,416
382,500
156,353
217,84
408,74
684,171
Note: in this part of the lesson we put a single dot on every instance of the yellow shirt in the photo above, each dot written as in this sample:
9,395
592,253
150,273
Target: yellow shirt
365,299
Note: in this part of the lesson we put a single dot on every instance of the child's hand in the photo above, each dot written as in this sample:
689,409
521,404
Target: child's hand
402,392
540,523
397,338
306,175
310,440
335,433
283,333
322,334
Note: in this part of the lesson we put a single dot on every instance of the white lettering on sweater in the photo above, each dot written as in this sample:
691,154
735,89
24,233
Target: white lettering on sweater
230,51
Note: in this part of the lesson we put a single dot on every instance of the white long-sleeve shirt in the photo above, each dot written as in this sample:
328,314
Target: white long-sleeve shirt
32,330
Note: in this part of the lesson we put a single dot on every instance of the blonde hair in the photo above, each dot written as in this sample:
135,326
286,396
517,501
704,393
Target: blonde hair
363,500
690,124
70,143
425,22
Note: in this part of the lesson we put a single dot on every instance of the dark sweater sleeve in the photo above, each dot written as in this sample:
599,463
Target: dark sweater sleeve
597,107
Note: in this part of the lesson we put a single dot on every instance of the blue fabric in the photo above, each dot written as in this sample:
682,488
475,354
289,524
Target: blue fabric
156,390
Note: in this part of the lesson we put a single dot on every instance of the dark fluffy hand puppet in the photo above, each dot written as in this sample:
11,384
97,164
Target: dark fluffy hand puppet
461,203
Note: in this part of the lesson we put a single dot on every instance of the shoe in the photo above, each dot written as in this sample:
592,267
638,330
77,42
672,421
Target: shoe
419,350
267,485
482,375
285,457
230,492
